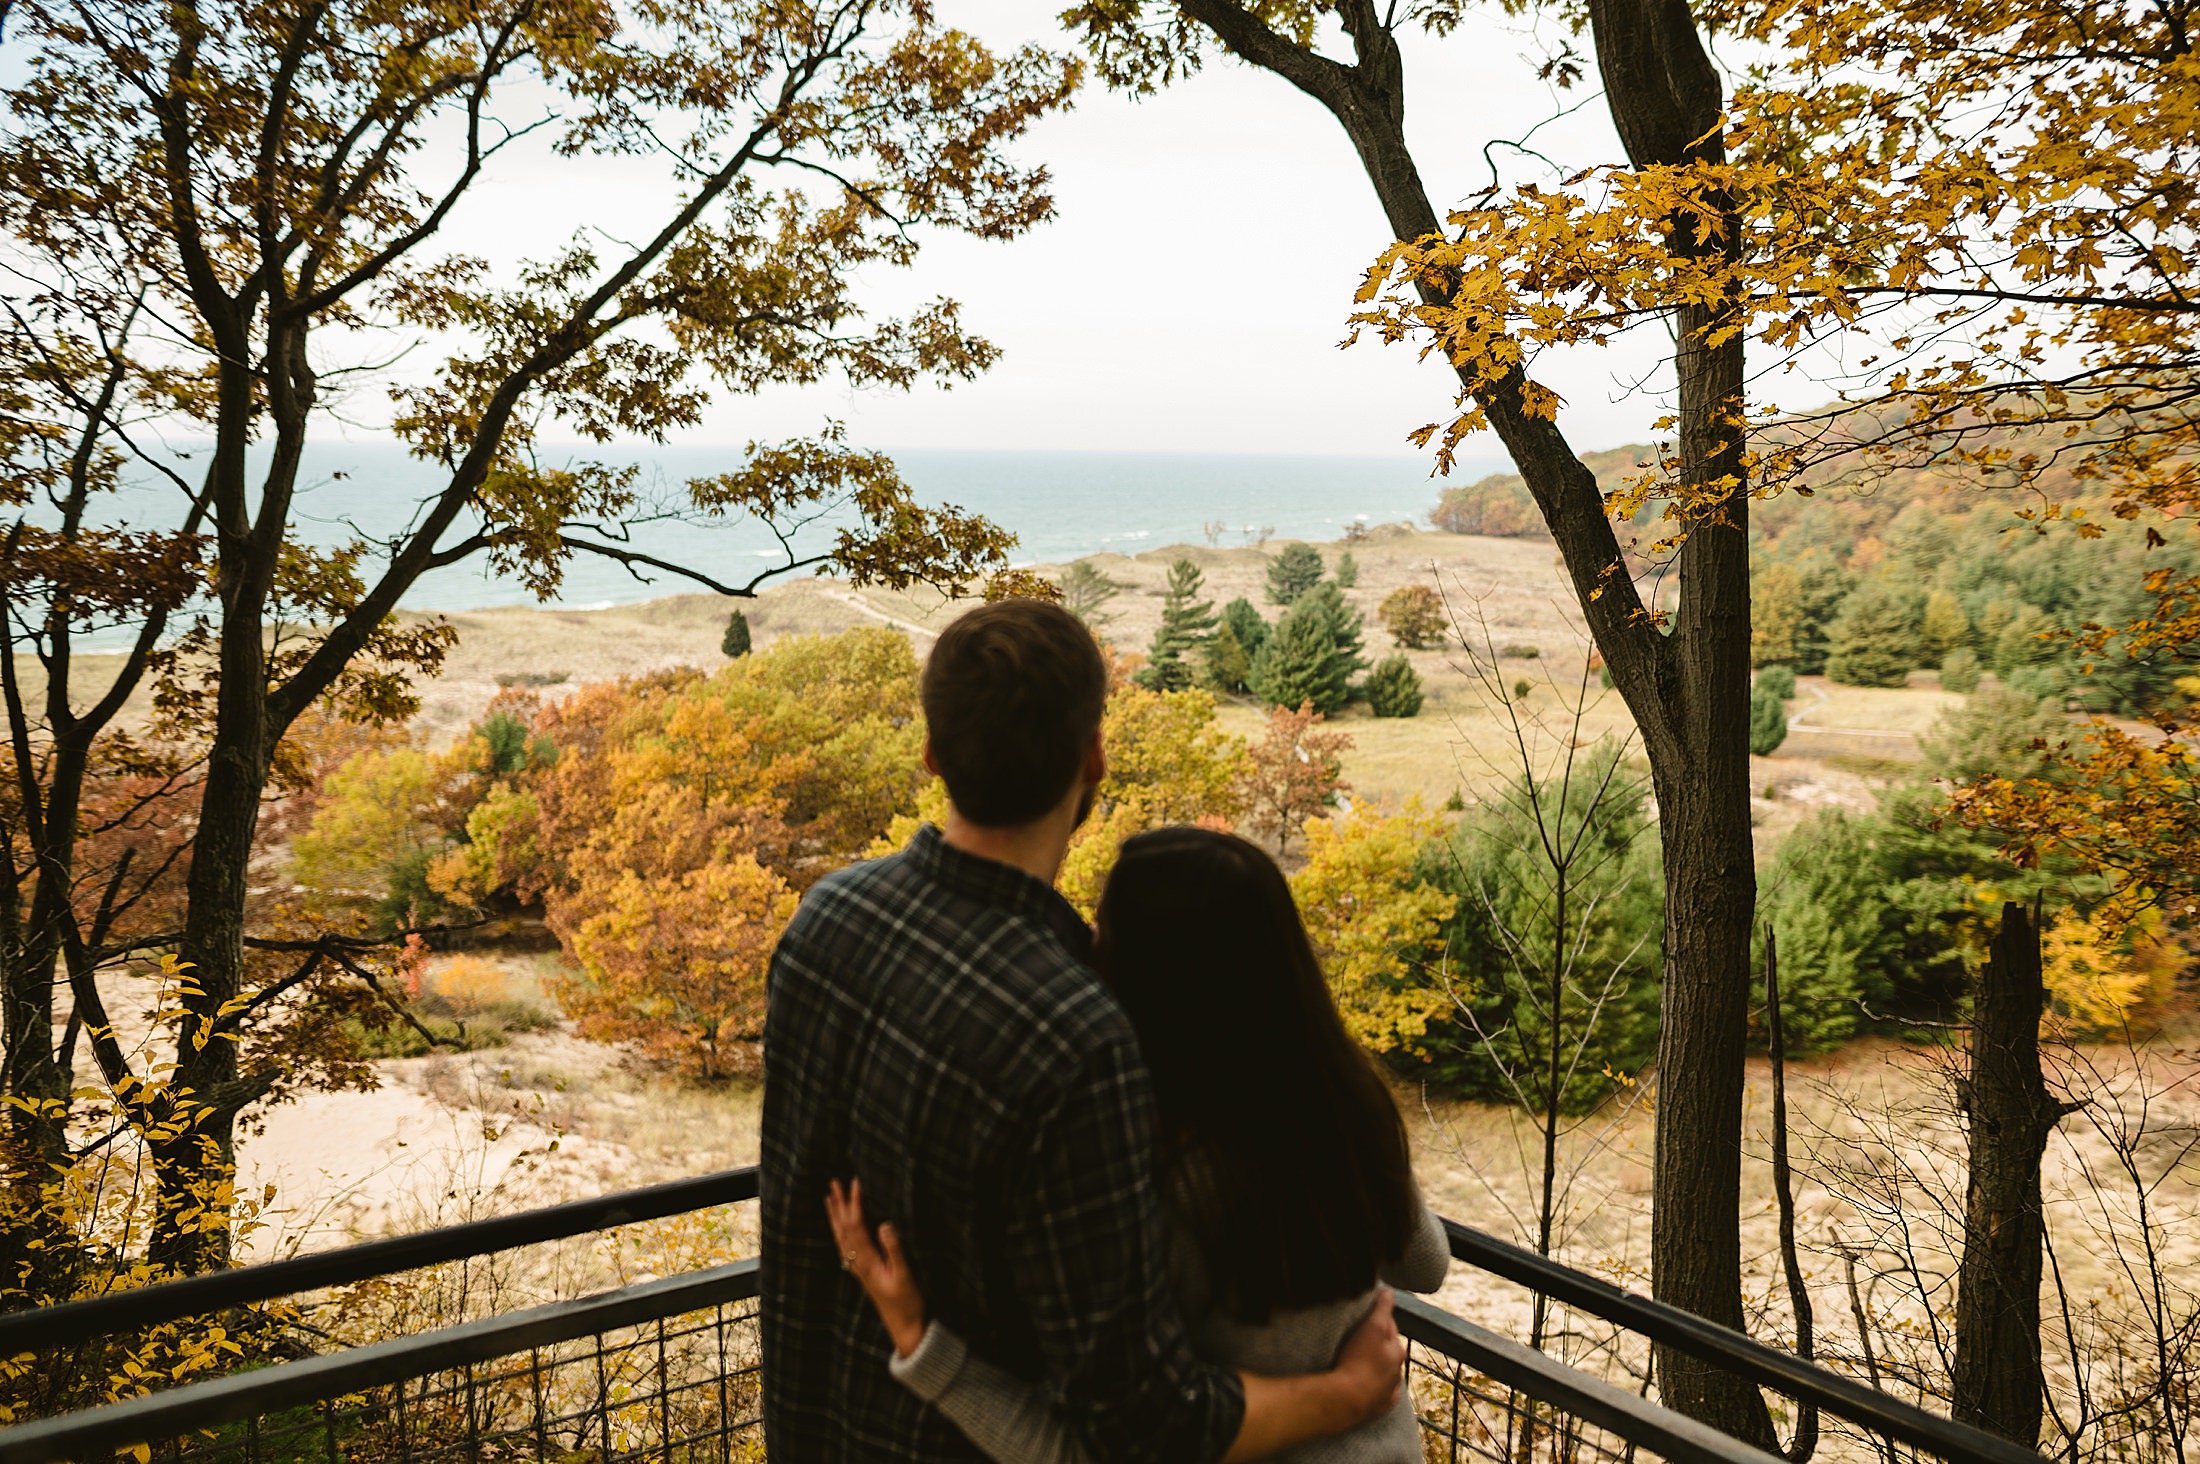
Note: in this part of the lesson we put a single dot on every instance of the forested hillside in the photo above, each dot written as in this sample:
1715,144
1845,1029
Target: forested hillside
1867,574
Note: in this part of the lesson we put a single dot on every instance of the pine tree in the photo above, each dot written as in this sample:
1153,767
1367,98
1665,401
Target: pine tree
1085,590
1775,615
1768,721
2026,640
1877,640
1226,665
1993,619
1312,654
1348,571
1394,688
1297,666
1187,624
1947,628
736,642
1347,628
1822,588
1295,571
1246,623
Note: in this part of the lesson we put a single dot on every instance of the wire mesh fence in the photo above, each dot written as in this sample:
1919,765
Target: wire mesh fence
1467,1416
669,1369
681,1389
665,1370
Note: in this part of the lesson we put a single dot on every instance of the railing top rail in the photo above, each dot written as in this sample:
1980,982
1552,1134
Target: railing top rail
71,1323
1744,1356
1544,1378
156,1416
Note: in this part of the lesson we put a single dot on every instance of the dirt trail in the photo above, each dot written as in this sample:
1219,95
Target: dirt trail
856,603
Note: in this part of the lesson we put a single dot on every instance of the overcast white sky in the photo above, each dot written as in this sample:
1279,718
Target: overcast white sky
1192,292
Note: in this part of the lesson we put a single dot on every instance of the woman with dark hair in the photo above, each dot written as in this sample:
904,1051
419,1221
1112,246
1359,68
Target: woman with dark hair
1281,1153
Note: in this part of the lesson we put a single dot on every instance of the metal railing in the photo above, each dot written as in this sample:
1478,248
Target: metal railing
668,1369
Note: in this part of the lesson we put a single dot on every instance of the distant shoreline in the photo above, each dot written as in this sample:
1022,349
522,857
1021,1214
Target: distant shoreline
1061,506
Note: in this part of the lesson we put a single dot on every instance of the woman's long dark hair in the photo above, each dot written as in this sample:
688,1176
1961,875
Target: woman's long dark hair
1285,1142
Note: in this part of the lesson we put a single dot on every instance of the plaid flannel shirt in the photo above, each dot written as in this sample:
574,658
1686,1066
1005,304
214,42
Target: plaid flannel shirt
934,1031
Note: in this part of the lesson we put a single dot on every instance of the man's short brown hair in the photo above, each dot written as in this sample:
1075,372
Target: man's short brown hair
1012,697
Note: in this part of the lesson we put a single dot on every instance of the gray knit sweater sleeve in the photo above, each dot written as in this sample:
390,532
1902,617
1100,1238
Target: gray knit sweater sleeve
1427,1257
996,1410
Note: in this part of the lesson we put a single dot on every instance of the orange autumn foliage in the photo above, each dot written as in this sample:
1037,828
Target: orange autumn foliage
683,814
676,962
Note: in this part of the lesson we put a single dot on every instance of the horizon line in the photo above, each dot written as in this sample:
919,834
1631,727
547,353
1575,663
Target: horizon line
380,440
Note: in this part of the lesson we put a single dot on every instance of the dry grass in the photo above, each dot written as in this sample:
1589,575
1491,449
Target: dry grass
553,651
1457,744
1828,706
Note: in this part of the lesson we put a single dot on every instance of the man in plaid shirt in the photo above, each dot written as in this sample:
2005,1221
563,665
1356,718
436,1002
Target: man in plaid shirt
934,1030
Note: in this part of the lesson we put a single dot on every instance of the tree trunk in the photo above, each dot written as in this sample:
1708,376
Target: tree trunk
1998,1380
1688,691
195,1156
1710,901
1696,1172
1666,100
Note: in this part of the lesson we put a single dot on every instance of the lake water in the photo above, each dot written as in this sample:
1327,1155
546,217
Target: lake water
1060,505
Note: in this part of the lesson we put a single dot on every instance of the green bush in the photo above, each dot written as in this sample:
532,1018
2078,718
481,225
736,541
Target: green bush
1778,680
1768,722
1885,908
1520,653
1348,571
1501,934
1394,688
736,642
2041,683
484,1027
1995,734
1959,673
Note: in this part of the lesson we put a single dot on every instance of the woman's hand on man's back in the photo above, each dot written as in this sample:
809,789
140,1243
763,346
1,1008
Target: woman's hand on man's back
878,1265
